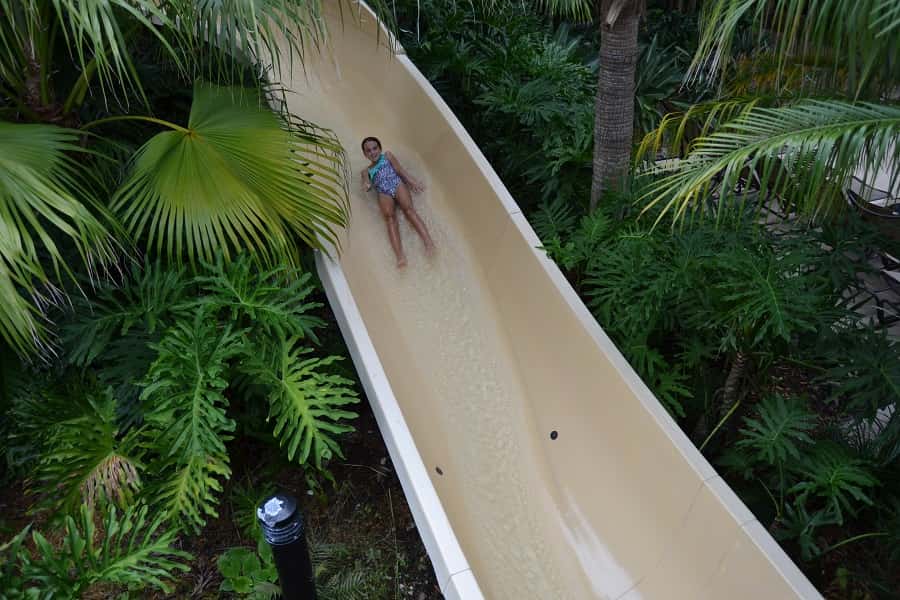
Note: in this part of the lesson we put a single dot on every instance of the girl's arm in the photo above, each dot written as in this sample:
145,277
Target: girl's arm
414,185
366,180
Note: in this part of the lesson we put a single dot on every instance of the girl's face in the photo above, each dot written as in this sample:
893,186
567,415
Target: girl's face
371,149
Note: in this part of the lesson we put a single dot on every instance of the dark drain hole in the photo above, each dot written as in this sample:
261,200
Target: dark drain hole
439,471
553,435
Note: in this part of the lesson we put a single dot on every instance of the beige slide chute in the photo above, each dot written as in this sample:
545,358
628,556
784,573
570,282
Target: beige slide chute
536,462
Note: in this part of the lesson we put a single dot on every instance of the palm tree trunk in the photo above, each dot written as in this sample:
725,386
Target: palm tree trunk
731,389
614,108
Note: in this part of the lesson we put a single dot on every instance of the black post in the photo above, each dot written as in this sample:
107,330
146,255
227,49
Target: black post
283,529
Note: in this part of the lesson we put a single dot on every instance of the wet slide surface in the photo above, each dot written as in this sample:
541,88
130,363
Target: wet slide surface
561,475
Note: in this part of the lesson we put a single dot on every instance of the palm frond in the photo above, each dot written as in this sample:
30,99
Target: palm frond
657,78
93,30
237,178
676,131
304,400
805,153
863,31
216,31
579,10
185,412
43,198
18,22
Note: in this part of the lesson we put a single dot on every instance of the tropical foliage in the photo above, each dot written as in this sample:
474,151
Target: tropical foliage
134,551
821,107
157,374
748,335
86,176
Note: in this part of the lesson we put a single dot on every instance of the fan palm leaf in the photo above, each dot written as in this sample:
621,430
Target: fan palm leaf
805,152
42,199
238,177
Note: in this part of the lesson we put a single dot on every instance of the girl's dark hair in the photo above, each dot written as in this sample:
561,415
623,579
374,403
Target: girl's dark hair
370,139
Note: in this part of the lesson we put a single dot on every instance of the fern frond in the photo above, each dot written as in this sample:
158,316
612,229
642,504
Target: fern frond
780,430
338,573
805,153
246,497
185,410
304,400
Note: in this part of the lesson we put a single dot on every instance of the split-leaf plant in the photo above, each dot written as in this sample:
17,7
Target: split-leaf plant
143,407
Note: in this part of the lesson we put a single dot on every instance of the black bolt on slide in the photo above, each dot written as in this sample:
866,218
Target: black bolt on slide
283,529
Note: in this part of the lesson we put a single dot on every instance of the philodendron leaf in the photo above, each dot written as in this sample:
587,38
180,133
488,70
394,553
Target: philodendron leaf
306,402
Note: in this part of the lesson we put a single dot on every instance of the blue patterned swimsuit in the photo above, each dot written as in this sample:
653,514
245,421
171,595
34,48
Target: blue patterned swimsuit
384,177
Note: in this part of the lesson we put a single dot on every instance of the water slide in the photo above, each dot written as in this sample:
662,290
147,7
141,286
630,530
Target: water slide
535,461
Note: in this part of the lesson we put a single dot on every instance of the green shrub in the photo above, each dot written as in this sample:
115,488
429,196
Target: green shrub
153,424
248,573
129,549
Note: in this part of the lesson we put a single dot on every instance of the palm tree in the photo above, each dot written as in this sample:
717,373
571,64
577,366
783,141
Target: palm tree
614,107
614,102
822,105
237,176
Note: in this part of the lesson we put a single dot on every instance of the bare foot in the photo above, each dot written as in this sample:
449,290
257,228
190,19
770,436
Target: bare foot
430,249
401,262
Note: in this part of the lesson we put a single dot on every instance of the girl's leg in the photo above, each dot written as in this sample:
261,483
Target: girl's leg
405,202
386,204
